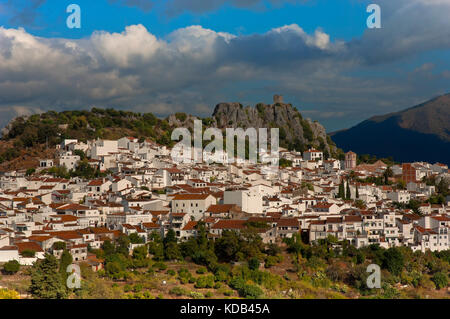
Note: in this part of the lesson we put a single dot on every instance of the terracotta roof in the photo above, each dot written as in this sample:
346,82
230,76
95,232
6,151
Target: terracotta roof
190,196
22,246
190,225
229,224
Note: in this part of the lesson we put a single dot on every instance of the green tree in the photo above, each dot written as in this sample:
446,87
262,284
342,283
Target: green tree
172,251
341,193
227,246
347,192
46,280
11,267
393,260
64,262
387,173
170,237
253,263
136,239
440,279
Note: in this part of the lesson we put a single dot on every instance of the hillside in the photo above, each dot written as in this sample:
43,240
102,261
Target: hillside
420,133
26,139
295,131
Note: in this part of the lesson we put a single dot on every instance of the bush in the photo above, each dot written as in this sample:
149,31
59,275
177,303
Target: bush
138,288
59,245
11,267
270,261
440,279
253,263
250,291
178,291
205,282
160,266
171,272
426,282
201,271
209,294
196,295
28,253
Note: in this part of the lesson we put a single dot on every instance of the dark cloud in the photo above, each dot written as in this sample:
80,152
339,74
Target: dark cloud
194,68
176,7
24,13
145,5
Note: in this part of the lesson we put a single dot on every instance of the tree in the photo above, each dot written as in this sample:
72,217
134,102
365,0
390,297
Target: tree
387,173
170,237
81,154
122,245
140,252
357,192
440,279
108,247
341,193
64,262
348,194
227,246
442,187
253,263
11,267
393,261
46,281
136,239
172,251
59,245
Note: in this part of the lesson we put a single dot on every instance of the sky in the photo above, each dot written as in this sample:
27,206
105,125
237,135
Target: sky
171,56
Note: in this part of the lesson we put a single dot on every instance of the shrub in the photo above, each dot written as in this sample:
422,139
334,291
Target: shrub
209,294
127,288
201,271
440,279
270,261
204,282
250,291
171,272
196,295
11,267
160,266
137,288
426,282
178,291
28,253
253,263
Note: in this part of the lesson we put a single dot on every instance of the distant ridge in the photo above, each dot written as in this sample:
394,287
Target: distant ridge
419,133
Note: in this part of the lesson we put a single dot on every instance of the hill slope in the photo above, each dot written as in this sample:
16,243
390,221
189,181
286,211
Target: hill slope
25,139
420,133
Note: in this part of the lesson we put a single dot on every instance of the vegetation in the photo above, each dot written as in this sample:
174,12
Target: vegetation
11,267
231,266
46,280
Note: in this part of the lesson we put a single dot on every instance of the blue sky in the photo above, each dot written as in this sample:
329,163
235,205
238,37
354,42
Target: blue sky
179,55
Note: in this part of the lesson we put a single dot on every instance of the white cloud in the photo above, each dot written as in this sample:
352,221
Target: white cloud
194,67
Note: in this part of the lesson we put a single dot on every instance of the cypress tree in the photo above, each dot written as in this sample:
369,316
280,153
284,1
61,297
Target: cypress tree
348,194
341,193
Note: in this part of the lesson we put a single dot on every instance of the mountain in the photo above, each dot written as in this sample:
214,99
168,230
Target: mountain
295,131
420,133
27,138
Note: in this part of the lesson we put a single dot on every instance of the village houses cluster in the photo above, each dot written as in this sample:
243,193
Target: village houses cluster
144,191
